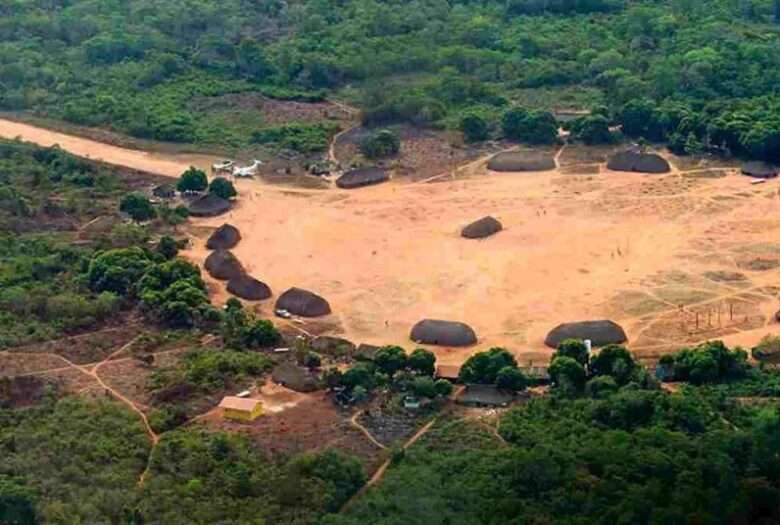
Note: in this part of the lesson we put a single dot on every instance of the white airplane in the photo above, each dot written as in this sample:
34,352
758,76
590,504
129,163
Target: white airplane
248,171
225,166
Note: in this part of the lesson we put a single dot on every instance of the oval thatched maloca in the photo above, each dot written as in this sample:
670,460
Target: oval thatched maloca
223,265
209,206
362,177
247,287
224,238
513,161
759,170
600,333
443,333
638,161
303,303
484,227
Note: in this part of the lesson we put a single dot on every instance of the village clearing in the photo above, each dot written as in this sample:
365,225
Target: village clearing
675,259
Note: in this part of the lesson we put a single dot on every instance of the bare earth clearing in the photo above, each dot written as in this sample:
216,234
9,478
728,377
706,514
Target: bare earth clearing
674,258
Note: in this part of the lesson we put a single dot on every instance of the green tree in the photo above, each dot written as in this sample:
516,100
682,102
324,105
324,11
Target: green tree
138,207
422,361
443,387
474,127
167,247
483,367
383,143
511,378
192,180
360,375
424,386
533,127
615,361
601,387
223,188
390,359
592,130
568,375
574,348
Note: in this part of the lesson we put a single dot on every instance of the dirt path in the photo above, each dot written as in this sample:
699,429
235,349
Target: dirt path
380,472
162,164
355,423
353,112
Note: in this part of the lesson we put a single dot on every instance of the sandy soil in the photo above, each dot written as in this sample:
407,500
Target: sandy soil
654,253
163,164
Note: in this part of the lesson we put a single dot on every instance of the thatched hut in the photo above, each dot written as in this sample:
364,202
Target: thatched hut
332,346
209,206
294,377
362,177
485,396
515,161
365,352
223,265
638,161
164,191
600,333
303,303
443,333
224,238
247,287
759,170
484,227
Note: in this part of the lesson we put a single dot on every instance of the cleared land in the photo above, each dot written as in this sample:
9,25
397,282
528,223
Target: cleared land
674,258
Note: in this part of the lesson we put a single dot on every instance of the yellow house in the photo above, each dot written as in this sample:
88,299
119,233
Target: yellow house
241,409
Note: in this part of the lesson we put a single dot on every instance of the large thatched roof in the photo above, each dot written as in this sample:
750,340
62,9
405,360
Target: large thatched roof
759,170
600,333
516,161
294,377
485,396
362,177
333,346
164,191
484,227
224,238
222,264
209,206
443,333
247,287
303,303
638,161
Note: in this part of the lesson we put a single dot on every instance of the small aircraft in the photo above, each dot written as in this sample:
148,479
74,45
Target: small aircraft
225,166
248,171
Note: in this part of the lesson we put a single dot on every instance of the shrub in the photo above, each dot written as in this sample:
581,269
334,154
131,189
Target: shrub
192,180
381,144
222,187
474,127
138,207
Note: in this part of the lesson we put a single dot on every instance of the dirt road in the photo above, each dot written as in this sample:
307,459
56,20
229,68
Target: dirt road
170,165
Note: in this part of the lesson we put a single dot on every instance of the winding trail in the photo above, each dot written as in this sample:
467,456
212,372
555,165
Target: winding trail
355,423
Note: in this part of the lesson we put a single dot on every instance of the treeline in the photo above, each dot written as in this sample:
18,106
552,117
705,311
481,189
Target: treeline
140,66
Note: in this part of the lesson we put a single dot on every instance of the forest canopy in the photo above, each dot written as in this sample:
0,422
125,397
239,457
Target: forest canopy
697,74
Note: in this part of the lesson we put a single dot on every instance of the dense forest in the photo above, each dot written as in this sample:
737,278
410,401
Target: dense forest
698,74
